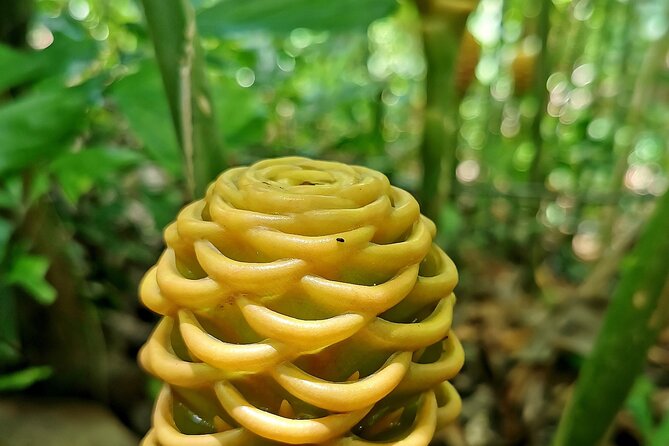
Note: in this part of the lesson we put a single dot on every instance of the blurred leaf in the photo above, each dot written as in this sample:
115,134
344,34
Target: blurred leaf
283,16
200,4
11,192
661,435
183,70
28,272
162,206
153,387
450,223
37,127
17,67
638,404
24,378
243,115
65,56
39,185
78,172
141,98
69,55
66,25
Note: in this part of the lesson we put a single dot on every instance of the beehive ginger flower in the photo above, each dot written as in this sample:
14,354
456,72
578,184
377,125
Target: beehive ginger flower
302,302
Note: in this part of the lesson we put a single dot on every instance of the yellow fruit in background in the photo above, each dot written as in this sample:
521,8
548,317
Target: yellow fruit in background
523,66
468,58
303,302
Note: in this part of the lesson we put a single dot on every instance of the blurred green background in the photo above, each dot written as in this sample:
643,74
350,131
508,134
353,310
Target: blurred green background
533,132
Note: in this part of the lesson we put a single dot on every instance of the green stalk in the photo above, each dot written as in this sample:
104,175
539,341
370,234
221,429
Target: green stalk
638,310
606,13
443,25
623,114
543,71
179,55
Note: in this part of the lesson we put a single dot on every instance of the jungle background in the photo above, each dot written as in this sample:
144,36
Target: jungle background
533,132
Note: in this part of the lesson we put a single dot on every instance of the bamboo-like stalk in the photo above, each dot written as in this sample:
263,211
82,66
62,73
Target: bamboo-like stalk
536,174
443,26
639,309
608,12
624,114
179,55
537,171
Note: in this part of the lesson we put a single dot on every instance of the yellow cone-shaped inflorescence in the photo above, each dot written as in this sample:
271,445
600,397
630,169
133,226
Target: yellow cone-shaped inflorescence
303,302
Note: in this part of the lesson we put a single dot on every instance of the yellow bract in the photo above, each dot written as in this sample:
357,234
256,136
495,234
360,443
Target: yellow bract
303,302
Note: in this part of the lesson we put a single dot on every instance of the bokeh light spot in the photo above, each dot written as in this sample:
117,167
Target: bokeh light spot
245,77
468,171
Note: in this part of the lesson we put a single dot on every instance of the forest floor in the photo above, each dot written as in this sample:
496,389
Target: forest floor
523,353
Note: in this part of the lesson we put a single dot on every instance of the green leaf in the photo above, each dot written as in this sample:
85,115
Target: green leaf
11,192
78,172
639,308
162,205
68,55
28,272
64,57
183,70
37,127
282,16
450,223
141,98
243,115
153,387
17,67
24,378
639,405
39,185
661,435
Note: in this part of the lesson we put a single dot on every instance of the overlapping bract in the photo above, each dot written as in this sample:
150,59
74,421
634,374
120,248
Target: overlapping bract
304,303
